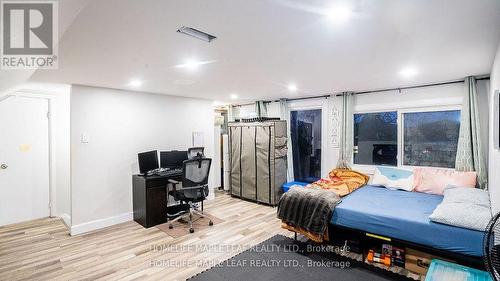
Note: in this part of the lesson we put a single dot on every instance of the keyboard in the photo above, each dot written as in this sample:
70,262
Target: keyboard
170,173
156,171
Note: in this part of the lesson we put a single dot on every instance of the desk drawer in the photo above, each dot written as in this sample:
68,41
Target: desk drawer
156,182
156,205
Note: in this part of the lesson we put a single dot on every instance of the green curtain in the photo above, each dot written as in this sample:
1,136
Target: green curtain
261,109
285,115
233,113
346,131
470,155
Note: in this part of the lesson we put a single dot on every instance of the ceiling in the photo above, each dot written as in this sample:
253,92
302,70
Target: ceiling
68,10
264,45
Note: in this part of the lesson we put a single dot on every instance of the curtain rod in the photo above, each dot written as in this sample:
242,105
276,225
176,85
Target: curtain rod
417,86
485,77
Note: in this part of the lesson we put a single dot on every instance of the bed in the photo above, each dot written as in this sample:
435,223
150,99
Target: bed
404,216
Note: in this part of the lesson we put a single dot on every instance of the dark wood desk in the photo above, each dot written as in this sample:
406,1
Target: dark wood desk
150,199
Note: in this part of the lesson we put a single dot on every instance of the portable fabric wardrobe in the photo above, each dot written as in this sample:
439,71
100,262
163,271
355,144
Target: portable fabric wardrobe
258,160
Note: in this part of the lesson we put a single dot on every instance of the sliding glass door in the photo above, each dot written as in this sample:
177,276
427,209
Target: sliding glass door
305,131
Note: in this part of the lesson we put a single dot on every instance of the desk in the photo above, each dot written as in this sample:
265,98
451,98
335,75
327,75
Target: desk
150,199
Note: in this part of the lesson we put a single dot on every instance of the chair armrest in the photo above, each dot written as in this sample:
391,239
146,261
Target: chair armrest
195,187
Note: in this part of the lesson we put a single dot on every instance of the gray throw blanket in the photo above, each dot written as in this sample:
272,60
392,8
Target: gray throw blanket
308,208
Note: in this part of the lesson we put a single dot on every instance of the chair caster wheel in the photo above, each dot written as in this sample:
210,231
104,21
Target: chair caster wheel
191,230
210,223
170,226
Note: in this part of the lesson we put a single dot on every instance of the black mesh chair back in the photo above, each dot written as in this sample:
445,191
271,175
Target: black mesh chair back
194,152
194,188
195,172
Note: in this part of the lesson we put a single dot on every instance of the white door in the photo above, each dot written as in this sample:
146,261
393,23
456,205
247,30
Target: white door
24,159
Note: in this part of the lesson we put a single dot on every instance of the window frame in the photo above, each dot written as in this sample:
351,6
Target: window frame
400,130
310,104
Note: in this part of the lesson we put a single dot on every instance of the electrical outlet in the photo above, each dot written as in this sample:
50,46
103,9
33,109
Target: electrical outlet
85,138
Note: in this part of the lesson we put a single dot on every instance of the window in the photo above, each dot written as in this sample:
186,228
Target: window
431,138
376,138
305,129
428,138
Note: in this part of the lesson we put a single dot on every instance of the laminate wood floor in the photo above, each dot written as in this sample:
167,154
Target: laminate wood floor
44,250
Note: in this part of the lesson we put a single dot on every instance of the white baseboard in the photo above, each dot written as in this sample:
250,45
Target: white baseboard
66,219
101,223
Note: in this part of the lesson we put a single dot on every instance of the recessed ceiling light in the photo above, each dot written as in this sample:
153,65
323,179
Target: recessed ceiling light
339,13
408,72
292,87
135,83
234,96
192,64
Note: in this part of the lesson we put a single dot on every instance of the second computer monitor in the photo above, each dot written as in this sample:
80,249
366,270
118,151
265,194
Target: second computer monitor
172,159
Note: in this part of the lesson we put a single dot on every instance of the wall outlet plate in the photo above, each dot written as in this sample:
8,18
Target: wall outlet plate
85,138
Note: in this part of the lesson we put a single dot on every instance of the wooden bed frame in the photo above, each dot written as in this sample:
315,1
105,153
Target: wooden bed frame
339,234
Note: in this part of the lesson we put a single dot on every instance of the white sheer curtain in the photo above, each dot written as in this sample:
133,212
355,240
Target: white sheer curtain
470,154
346,131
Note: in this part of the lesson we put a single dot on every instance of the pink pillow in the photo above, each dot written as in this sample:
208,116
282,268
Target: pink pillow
434,181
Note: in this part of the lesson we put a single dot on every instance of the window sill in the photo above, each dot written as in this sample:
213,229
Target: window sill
370,169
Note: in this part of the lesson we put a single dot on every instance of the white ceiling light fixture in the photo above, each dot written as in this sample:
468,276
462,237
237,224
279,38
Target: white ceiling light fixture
192,64
292,88
408,72
193,32
339,13
136,83
234,96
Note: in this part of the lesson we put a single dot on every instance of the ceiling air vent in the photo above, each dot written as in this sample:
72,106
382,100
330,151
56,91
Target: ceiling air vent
196,33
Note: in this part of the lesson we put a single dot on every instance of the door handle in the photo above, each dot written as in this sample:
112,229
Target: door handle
3,166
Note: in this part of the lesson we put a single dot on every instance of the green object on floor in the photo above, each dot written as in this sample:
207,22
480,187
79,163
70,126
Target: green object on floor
442,270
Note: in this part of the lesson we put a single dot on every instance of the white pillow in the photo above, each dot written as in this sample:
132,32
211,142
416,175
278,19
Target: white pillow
453,194
464,207
466,215
393,178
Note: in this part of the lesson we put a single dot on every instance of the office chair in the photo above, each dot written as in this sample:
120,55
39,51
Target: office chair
195,152
194,188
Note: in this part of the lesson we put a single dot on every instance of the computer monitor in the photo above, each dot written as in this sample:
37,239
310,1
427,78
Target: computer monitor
172,159
148,161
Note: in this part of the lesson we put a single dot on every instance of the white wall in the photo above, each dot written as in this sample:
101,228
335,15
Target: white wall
119,124
494,152
436,96
246,111
426,97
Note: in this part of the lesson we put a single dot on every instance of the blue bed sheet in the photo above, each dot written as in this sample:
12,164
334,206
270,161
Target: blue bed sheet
287,185
405,216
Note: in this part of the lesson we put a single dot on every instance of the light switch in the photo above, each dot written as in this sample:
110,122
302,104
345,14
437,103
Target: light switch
85,138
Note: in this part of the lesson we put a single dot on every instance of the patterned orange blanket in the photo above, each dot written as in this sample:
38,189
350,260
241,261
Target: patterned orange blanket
340,181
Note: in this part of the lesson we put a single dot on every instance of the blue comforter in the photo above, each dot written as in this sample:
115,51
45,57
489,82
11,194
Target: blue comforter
405,216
